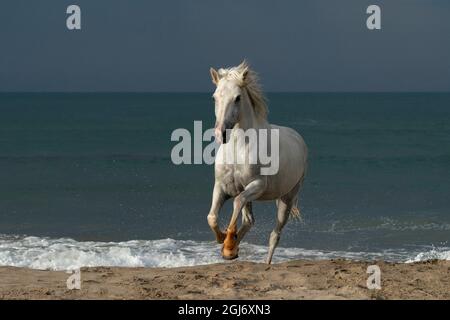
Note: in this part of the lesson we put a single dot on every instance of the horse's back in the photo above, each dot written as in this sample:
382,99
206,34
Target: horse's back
291,140
293,154
293,135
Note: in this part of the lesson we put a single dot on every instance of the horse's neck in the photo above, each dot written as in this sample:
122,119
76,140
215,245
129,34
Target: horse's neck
249,119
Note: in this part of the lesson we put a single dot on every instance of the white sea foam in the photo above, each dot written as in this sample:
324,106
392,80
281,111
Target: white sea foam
68,254
433,254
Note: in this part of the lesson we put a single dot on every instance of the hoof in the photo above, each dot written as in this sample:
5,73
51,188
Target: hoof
230,257
230,247
229,254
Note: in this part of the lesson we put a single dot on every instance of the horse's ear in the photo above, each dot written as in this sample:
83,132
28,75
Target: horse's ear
244,67
214,76
245,74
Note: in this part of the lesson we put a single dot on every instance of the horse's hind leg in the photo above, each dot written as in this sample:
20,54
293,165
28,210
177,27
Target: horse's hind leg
247,221
282,217
284,205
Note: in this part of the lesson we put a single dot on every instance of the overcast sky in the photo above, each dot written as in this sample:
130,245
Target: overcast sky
169,45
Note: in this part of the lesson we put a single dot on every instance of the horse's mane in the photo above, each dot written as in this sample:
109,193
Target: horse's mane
250,82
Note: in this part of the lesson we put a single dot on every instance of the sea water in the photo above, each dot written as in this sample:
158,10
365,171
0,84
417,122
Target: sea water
87,179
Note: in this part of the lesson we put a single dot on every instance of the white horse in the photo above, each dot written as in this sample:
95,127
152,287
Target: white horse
240,104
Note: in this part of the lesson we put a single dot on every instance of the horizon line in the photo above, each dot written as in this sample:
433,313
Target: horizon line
206,92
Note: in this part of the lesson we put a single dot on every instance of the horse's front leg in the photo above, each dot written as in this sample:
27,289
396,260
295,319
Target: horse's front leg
251,192
218,200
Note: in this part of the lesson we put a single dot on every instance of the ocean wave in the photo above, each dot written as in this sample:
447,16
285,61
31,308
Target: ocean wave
69,254
433,254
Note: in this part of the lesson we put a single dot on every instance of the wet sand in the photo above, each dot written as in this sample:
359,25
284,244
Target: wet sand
329,279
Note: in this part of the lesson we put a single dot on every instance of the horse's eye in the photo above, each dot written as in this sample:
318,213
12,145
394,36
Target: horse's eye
238,98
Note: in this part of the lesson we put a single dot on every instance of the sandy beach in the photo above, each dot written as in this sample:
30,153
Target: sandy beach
329,279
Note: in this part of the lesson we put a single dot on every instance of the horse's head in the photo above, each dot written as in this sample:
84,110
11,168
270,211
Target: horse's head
228,98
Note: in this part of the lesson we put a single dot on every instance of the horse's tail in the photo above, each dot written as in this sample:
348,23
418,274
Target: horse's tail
295,210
